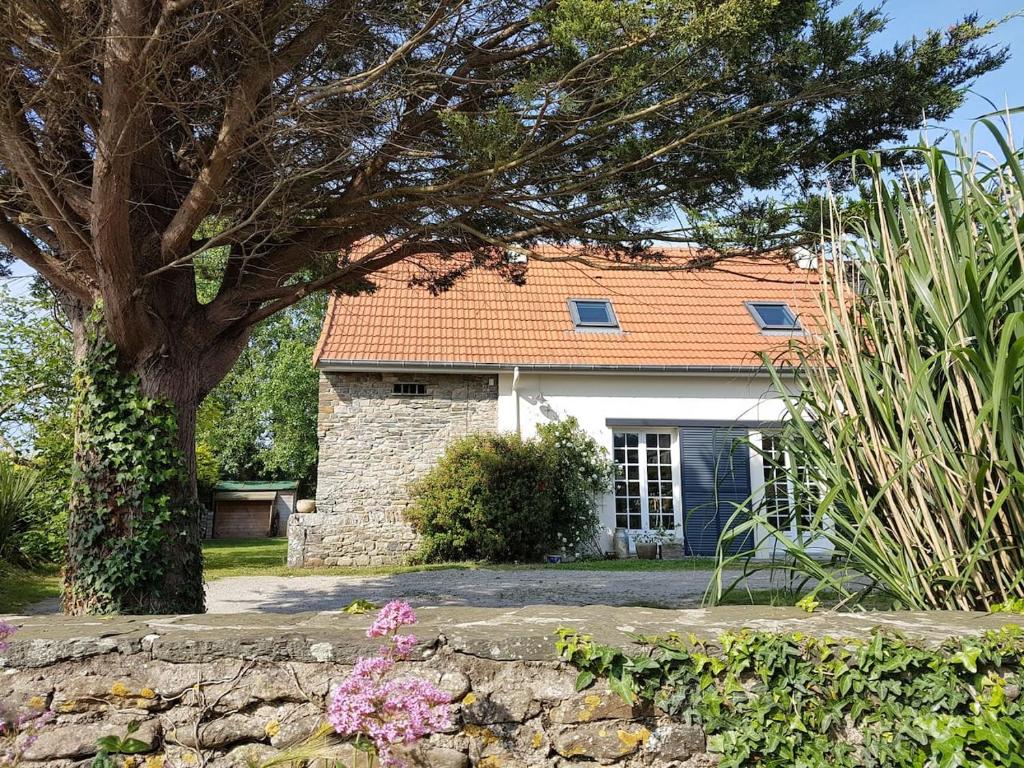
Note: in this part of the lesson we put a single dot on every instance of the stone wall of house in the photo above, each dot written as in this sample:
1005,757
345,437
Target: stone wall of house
373,444
219,691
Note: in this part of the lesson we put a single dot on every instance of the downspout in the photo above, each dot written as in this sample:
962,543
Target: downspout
515,394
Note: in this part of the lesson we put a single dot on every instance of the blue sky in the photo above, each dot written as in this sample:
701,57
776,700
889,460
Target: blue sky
1005,85
909,17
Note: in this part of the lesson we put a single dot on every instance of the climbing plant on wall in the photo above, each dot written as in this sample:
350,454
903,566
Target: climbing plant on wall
128,507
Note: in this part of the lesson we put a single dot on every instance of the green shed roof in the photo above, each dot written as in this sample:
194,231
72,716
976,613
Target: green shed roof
256,485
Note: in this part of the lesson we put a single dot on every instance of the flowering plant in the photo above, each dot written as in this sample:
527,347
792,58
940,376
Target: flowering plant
379,712
19,728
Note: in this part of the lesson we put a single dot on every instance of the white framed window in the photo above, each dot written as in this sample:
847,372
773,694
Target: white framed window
789,494
647,483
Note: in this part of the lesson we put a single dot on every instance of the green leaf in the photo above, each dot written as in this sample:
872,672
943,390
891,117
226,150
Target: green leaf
584,680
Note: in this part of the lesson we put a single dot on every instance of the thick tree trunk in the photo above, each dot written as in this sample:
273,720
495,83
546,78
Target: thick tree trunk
134,538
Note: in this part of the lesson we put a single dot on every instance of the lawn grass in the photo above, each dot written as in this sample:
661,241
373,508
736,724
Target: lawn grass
266,557
19,588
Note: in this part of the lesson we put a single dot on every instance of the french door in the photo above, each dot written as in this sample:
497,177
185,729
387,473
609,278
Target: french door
647,480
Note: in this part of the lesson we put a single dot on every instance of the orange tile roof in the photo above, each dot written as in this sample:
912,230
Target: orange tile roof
669,316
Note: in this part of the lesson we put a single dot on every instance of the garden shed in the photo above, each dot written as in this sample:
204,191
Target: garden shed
246,509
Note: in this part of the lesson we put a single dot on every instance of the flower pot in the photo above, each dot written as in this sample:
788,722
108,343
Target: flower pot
673,550
305,506
647,551
620,543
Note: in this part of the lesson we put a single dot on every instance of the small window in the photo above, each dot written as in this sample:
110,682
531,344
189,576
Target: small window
408,388
773,315
592,313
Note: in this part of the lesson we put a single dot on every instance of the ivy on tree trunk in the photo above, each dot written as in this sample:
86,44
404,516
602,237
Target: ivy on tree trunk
133,536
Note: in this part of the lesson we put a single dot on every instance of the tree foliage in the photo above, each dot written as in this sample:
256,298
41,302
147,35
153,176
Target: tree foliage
36,424
260,422
138,137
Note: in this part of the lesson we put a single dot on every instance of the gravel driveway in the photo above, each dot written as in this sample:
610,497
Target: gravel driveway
494,588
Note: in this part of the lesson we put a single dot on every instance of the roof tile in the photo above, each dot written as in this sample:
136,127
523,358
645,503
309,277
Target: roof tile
670,314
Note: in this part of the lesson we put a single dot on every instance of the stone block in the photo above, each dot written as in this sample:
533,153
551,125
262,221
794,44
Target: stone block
675,742
594,705
71,740
500,706
605,741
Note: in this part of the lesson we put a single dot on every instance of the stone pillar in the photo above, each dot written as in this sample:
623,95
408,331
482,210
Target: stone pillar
373,445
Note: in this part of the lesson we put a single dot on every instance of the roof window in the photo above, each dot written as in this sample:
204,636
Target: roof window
592,313
773,315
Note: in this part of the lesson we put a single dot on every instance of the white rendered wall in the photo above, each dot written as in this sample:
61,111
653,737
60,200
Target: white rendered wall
594,398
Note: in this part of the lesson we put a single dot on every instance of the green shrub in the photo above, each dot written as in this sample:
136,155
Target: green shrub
17,511
579,472
500,498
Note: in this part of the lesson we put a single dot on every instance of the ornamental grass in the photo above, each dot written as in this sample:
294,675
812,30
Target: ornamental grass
910,404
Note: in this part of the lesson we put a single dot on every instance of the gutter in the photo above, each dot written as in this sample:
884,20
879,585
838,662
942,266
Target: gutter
450,367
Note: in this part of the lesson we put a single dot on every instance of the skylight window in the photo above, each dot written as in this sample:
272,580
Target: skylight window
592,313
773,315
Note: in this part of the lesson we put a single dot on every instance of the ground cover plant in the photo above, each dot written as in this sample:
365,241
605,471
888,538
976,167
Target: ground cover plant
790,700
908,422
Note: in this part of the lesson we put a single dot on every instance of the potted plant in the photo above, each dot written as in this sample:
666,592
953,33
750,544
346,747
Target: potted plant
671,547
646,545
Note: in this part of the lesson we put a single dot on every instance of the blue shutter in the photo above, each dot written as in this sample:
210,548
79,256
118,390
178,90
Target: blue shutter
716,479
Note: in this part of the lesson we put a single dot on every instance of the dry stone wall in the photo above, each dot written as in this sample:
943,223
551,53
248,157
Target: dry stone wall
373,444
221,691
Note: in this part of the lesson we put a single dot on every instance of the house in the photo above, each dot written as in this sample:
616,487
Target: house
244,509
659,362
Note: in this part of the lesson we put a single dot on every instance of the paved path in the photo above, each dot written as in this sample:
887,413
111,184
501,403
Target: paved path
483,587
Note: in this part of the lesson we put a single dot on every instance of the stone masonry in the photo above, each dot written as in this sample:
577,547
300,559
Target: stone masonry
373,444
221,691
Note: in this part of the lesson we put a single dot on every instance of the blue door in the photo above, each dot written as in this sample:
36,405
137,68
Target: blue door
716,481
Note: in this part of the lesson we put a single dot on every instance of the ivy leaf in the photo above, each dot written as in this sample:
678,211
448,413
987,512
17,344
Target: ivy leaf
584,680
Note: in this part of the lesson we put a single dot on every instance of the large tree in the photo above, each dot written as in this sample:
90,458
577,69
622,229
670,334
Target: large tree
141,140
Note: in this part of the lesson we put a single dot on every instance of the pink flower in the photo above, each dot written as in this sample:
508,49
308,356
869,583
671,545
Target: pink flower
395,614
403,644
391,712
6,630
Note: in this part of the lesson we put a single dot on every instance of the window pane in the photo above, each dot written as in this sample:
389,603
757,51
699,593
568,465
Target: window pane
660,473
593,312
775,315
632,439
627,484
776,489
